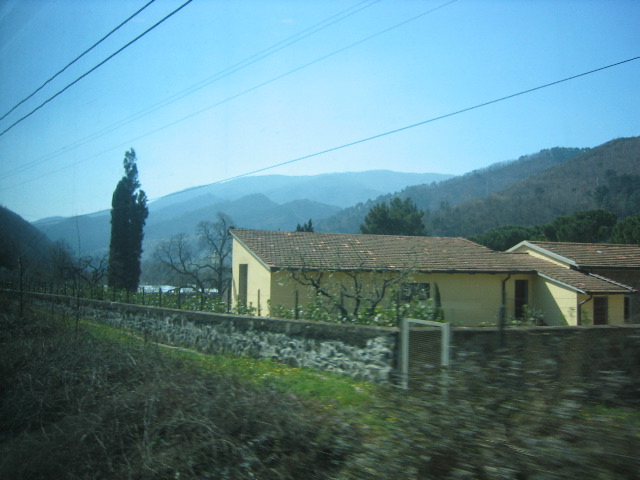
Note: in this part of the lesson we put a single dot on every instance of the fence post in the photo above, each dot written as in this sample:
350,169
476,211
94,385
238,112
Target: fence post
296,313
404,353
259,309
446,345
160,297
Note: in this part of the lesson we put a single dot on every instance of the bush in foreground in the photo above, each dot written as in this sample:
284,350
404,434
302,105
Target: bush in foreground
73,406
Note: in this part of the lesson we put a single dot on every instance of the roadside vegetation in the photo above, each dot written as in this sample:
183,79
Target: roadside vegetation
94,402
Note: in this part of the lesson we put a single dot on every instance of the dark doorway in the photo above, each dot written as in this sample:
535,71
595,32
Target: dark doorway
242,283
600,310
521,297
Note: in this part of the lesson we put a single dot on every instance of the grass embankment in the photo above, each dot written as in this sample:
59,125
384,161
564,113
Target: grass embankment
100,403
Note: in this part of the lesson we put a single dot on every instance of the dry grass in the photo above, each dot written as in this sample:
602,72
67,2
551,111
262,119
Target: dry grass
92,405
74,406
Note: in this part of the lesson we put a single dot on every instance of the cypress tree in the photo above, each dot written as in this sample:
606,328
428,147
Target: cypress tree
128,215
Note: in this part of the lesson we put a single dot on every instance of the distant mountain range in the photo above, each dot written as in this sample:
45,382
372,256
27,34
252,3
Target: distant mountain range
532,190
271,202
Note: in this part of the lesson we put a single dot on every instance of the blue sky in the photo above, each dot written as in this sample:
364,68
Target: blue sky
375,67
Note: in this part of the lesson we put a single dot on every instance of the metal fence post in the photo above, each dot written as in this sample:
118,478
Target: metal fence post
404,352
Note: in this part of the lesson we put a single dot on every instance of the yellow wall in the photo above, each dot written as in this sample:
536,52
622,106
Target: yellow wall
615,315
467,299
258,277
558,304
535,253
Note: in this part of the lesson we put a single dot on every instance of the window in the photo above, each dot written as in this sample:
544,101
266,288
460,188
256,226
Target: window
521,297
415,291
600,310
242,283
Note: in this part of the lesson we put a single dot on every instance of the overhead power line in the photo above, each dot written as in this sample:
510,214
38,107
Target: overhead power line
414,125
394,131
75,60
262,54
240,94
96,66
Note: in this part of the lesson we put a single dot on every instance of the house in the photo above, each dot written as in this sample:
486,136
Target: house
618,263
476,285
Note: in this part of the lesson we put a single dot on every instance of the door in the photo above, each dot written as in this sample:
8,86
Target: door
600,310
521,298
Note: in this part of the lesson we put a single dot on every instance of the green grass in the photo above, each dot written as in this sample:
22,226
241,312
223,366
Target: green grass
326,388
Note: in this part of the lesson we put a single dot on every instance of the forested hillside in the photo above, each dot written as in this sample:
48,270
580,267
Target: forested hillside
20,241
457,190
533,190
603,177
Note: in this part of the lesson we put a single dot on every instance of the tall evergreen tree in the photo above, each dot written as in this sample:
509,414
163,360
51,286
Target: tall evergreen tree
305,227
398,217
128,215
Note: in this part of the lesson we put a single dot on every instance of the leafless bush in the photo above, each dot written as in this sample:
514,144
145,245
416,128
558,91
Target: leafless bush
499,422
75,407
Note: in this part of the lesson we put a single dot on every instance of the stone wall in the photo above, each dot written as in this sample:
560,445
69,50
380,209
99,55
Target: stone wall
367,353
580,351
371,353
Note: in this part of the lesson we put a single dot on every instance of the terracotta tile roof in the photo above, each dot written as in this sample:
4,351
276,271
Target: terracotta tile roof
601,255
342,252
584,282
338,251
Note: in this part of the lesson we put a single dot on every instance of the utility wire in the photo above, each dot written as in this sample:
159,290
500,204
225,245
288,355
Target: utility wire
251,89
75,60
96,67
391,132
414,125
208,81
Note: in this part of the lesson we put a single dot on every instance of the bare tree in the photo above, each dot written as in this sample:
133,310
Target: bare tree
350,292
216,242
178,255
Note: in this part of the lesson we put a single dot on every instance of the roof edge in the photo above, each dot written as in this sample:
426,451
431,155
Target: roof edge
544,251
561,283
253,254
608,280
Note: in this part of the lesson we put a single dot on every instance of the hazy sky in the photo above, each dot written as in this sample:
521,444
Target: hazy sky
224,88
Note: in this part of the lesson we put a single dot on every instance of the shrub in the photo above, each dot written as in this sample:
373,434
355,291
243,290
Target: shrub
500,422
73,406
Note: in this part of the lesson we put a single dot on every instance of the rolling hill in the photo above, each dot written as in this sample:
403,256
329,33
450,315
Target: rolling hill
532,190
271,202
21,242
561,190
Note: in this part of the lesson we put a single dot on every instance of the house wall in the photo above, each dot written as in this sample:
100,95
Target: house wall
467,299
615,313
557,304
258,279
629,277
471,299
